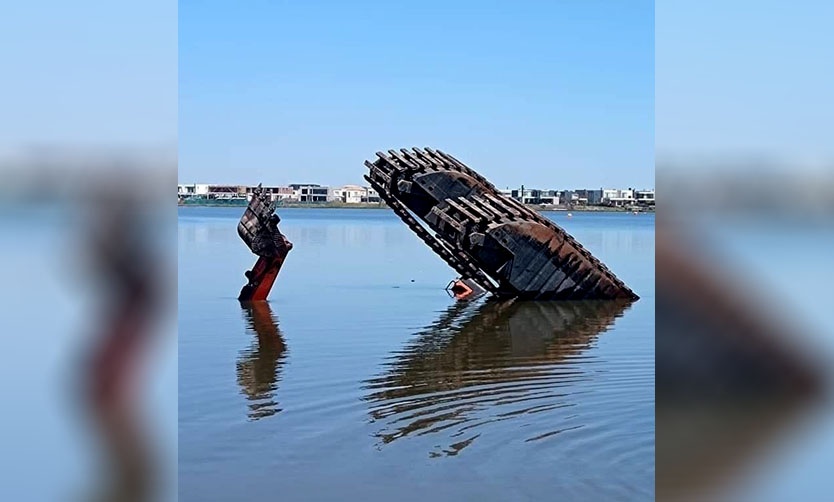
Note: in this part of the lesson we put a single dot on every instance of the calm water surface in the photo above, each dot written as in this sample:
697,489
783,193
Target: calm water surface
362,379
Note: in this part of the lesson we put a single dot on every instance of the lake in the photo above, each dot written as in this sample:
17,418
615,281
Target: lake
362,379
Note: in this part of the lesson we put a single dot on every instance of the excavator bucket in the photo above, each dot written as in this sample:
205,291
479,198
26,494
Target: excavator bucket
258,228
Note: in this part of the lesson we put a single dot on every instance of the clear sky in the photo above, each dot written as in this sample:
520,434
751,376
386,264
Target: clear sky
553,94
88,74
745,77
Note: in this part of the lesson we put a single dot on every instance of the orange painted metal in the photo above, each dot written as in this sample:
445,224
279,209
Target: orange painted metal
262,277
464,289
258,228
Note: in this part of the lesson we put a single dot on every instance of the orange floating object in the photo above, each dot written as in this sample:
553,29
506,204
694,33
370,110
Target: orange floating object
462,289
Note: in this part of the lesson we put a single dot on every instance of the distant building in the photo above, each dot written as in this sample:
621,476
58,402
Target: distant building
568,197
308,192
221,192
212,192
618,197
277,193
356,194
353,194
193,190
335,194
644,197
535,196
371,195
593,197
548,197
588,197
350,194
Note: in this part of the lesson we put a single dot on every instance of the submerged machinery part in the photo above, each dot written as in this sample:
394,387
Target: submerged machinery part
258,227
464,289
493,240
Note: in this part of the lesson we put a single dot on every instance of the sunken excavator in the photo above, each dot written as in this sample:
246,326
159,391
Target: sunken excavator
494,242
258,227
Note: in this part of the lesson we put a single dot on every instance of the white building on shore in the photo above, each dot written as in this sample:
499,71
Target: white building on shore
349,194
209,191
193,189
617,196
644,197
310,192
277,193
353,194
357,194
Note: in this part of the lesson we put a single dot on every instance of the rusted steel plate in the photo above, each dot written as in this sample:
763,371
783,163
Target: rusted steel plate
506,247
258,228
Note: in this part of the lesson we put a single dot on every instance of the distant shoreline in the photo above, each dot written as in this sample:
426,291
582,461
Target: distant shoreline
579,209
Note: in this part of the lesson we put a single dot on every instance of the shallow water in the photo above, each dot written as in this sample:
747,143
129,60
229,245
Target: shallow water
362,379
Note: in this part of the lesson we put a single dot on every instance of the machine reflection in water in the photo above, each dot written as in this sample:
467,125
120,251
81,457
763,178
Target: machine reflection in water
259,365
486,361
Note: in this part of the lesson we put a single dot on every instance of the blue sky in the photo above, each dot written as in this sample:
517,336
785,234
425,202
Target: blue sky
745,77
557,94
88,74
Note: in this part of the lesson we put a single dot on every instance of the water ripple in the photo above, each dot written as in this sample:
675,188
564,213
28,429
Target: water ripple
259,365
486,362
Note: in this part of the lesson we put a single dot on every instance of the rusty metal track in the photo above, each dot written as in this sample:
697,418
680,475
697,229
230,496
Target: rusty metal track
538,217
466,269
483,234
